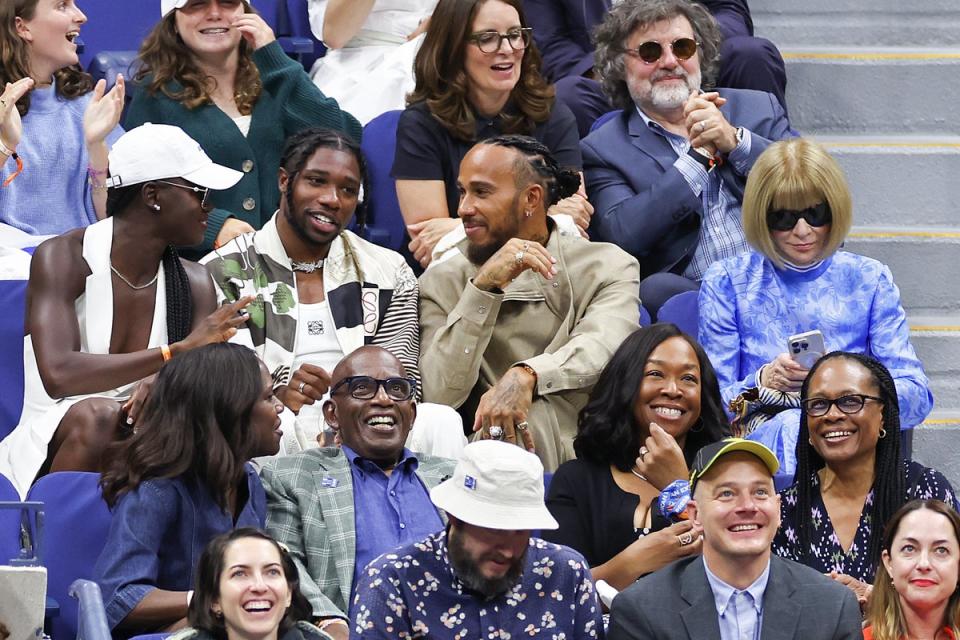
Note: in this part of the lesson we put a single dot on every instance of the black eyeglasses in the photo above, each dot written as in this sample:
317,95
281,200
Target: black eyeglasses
204,191
491,41
366,387
848,404
786,219
650,52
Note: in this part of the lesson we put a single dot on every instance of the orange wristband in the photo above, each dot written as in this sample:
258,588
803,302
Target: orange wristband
165,352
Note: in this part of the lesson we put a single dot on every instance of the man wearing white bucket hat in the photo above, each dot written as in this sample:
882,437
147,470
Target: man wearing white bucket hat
109,304
485,576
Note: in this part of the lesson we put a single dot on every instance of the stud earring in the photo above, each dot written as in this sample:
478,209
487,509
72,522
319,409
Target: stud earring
156,207
528,213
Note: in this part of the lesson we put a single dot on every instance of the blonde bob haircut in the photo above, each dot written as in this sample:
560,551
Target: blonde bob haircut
795,174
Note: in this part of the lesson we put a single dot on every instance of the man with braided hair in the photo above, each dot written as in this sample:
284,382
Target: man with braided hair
516,330
109,304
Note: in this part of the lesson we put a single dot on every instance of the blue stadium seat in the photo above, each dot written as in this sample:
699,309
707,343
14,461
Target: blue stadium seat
385,225
75,529
645,320
116,26
298,25
12,300
9,522
609,115
681,310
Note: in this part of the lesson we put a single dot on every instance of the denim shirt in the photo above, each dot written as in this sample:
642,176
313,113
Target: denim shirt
157,534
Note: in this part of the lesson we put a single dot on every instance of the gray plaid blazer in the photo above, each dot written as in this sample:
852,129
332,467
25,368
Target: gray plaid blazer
310,510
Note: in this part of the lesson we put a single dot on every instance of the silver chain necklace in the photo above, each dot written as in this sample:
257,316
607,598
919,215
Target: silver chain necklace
307,267
133,286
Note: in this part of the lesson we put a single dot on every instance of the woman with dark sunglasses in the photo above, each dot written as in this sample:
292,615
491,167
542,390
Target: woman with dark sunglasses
851,476
796,214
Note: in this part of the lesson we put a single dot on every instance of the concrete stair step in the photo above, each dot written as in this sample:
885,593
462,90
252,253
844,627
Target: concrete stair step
937,341
898,8
935,443
899,180
788,27
923,261
890,90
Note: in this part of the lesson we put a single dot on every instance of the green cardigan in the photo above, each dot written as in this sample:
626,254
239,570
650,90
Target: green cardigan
288,103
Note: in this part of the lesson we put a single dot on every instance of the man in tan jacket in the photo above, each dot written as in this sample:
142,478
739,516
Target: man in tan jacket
515,331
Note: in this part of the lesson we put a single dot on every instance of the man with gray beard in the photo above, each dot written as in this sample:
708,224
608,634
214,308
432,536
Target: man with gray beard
666,176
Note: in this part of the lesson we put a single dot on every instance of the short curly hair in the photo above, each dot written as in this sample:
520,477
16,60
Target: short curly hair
630,15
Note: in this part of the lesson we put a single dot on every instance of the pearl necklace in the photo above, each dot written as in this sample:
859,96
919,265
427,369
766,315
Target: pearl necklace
133,286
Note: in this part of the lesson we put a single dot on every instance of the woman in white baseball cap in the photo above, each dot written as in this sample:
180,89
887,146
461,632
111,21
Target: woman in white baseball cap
214,68
55,125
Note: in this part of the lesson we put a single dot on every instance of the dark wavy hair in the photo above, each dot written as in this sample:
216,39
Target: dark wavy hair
625,18
889,474
607,432
537,164
886,613
441,80
299,147
207,587
167,66
71,82
195,422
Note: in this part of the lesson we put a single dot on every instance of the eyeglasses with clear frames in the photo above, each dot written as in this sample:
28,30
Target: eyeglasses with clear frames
204,191
491,41
848,404
366,387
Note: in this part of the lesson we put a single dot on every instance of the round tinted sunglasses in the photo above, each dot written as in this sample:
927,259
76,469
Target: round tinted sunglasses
650,52
786,219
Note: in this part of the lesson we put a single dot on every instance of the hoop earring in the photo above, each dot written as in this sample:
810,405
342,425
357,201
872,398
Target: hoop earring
883,433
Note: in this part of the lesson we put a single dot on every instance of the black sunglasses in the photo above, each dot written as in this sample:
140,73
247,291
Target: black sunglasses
650,52
366,387
848,404
203,192
786,219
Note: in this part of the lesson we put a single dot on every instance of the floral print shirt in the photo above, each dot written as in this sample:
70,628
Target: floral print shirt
414,593
826,553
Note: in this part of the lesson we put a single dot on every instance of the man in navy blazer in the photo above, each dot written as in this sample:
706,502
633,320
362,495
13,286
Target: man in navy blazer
562,29
737,589
666,176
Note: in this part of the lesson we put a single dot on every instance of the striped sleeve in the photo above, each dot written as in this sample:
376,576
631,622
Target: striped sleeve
399,330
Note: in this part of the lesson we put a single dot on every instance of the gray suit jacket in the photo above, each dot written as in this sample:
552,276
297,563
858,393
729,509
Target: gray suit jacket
676,603
310,510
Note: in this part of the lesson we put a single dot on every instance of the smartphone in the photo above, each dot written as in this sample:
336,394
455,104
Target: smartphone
806,348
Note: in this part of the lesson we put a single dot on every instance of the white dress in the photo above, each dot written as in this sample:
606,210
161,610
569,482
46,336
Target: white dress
374,71
24,451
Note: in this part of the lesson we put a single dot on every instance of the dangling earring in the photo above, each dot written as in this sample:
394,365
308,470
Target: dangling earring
528,213
218,614
883,433
156,207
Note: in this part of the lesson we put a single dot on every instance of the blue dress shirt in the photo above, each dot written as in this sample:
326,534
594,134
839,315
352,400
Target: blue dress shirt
740,613
389,511
157,534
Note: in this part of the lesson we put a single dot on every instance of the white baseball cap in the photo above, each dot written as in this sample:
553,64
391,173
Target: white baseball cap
161,151
166,6
496,485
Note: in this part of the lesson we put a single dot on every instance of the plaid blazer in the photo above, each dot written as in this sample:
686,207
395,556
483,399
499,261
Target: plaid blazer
310,510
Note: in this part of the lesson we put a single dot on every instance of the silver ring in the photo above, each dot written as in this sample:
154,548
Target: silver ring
496,432
518,257
302,385
685,538
643,451
522,426
703,125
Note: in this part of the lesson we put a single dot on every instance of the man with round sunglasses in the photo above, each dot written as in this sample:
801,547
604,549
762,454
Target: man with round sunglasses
338,508
666,176
562,30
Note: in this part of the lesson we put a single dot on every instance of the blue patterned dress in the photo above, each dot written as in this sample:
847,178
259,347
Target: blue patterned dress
827,554
749,307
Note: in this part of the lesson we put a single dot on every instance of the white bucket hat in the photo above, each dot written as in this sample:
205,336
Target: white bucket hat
161,151
166,6
498,486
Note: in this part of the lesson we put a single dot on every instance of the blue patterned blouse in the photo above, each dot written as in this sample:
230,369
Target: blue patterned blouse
827,555
414,593
749,307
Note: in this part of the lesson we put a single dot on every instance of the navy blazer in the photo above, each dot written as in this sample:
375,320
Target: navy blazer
562,28
642,202
677,603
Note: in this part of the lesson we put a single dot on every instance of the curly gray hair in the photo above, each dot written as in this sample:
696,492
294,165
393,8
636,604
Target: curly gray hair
630,15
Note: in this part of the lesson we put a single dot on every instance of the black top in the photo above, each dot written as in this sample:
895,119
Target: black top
595,515
427,151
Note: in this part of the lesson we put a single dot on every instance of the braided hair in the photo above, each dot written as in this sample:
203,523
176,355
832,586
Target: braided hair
889,474
538,165
177,289
301,146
